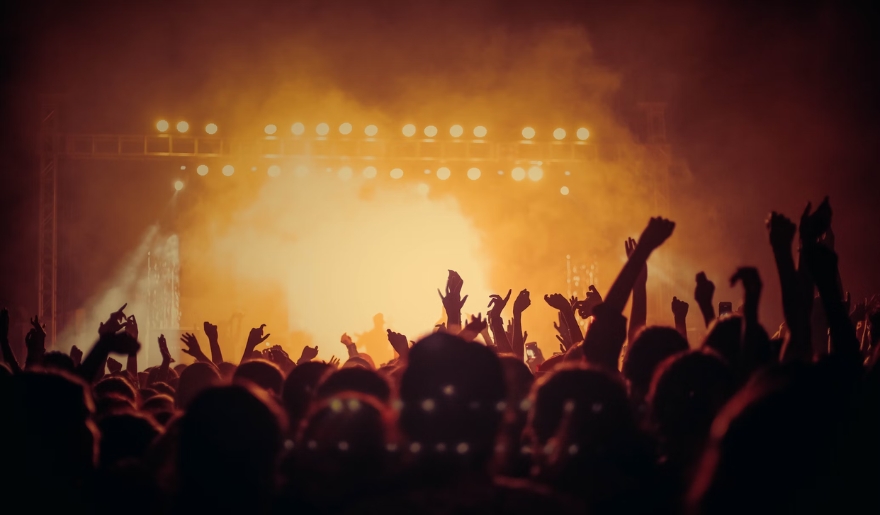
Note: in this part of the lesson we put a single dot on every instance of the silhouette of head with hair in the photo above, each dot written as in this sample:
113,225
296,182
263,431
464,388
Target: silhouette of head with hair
125,436
299,388
194,379
262,373
56,360
650,347
724,338
355,379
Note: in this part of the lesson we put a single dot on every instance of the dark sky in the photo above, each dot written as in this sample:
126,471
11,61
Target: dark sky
770,105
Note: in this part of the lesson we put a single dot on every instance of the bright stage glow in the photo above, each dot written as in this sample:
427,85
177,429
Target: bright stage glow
182,127
480,131
371,130
528,133
564,190
270,129
397,173
583,134
274,171
456,131
228,170
211,128
301,171
423,189
443,173
535,173
473,174
518,173
370,172
297,129
344,173
178,185
162,125
427,171
345,128
202,170
559,133
322,129
430,131
183,167
409,130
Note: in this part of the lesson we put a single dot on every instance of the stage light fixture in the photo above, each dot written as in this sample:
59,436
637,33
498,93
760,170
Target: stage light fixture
535,173
297,129
559,133
162,125
456,131
322,129
228,170
274,171
202,170
423,189
528,133
270,129
344,173
443,173
345,128
480,131
518,173
301,171
564,190
178,185
397,173
183,167
370,172
182,127
430,131
583,134
567,172
409,130
371,130
473,174
211,128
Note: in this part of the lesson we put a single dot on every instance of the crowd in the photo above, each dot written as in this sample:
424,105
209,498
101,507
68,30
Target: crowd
472,418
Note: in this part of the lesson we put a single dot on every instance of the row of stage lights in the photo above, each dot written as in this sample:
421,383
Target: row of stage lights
409,130
534,173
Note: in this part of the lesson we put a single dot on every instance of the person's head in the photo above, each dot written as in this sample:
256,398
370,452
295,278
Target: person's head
452,394
125,436
230,439
160,407
227,370
362,360
195,378
687,391
163,388
354,379
52,438
650,347
118,386
55,360
262,373
517,378
299,388
724,338
179,368
341,450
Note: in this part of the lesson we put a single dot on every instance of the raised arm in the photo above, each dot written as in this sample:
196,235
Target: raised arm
638,317
755,341
822,262
118,343
8,355
453,301
794,300
131,362
521,303
657,232
679,314
255,337
496,323
703,294
193,348
35,341
399,343
214,343
350,346
566,311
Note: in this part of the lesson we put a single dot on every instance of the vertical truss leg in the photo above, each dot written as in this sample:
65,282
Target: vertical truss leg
48,222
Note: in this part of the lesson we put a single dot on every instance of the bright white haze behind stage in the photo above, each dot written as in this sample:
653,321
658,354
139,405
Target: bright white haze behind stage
347,250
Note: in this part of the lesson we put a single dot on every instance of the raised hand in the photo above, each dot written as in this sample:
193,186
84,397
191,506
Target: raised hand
120,343
131,326
522,302
308,354
679,308
658,231
256,337
477,324
192,347
814,225
163,350
36,337
114,322
703,294
210,331
453,301
399,343
781,231
346,340
585,307
751,281
113,366
564,335
557,301
334,361
76,355
497,304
